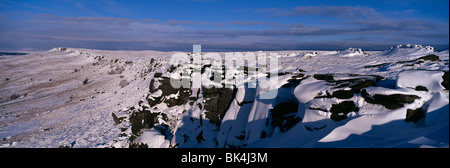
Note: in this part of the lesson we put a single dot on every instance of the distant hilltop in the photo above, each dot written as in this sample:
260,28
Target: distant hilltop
414,46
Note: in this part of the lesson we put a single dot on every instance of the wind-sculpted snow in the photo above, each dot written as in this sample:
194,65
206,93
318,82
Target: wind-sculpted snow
350,98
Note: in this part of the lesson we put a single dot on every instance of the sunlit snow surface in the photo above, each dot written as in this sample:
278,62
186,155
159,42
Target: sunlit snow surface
70,97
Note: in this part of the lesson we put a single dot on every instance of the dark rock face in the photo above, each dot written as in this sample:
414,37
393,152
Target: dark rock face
431,57
295,80
325,77
393,101
152,88
143,120
338,116
339,111
284,115
421,88
356,84
217,102
167,89
157,75
269,75
356,88
343,94
86,81
123,83
171,68
139,145
445,82
344,107
414,115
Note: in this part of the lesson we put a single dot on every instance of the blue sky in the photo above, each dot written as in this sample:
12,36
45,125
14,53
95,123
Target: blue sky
222,25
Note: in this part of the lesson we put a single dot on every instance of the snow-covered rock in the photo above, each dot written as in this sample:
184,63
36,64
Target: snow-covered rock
353,52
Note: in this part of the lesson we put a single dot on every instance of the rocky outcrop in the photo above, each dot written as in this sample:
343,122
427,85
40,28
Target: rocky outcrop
445,83
393,101
284,115
217,102
414,115
339,111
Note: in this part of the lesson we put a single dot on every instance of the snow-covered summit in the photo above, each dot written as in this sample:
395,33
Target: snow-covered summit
57,49
409,50
414,46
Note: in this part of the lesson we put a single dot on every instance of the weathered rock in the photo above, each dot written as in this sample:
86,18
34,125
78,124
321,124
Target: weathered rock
325,77
393,101
157,75
445,83
344,107
138,145
86,81
430,57
414,115
340,111
356,84
421,88
217,102
277,74
167,90
116,70
338,116
117,120
123,83
129,62
343,94
356,88
171,68
295,80
143,120
152,87
284,115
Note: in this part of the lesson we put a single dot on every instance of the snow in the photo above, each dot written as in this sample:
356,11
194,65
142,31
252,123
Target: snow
66,112
154,139
430,79
309,89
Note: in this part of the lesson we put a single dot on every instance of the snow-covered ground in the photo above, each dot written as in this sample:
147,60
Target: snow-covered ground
70,97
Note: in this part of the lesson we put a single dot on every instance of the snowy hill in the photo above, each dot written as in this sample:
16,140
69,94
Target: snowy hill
96,98
409,50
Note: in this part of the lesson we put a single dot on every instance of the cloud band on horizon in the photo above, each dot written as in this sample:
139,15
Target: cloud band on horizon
334,27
